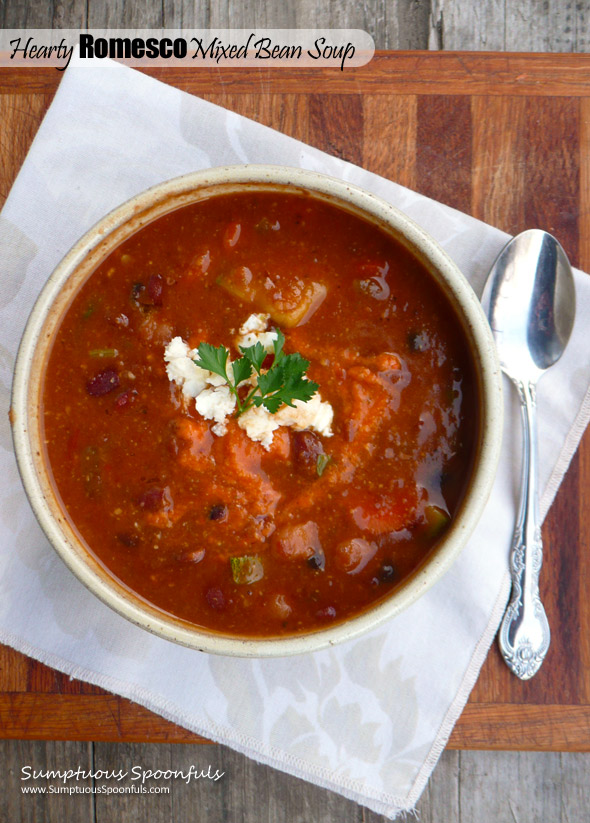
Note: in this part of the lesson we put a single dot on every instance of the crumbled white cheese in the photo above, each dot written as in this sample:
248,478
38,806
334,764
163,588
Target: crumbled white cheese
214,401
181,369
254,331
259,425
216,404
316,414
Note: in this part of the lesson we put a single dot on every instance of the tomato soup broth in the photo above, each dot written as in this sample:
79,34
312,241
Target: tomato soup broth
229,533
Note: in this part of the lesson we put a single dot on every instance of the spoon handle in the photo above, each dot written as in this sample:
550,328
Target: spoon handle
524,634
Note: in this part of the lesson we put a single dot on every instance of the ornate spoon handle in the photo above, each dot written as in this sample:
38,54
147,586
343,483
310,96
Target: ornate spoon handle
524,634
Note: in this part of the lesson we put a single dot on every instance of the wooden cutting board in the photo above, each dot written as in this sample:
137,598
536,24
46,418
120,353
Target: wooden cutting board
503,137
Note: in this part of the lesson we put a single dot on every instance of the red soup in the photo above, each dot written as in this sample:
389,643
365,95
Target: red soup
278,487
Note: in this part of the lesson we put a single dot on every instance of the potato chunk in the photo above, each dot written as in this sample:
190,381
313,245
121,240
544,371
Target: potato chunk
290,302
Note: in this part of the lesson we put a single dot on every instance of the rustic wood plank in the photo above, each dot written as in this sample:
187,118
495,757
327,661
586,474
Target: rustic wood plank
105,717
582,586
49,807
49,716
326,118
528,727
395,117
389,137
444,165
552,169
486,725
531,75
14,670
20,116
288,113
498,165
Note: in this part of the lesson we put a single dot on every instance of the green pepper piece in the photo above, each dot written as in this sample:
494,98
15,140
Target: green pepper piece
436,521
247,569
321,463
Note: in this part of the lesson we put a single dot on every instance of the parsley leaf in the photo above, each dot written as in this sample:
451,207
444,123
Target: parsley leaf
283,383
278,346
213,359
242,370
255,354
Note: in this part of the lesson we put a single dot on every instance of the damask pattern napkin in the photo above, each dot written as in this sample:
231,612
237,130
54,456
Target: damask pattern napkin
369,718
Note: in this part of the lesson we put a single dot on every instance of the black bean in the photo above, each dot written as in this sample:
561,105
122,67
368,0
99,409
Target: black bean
128,540
387,573
317,561
218,512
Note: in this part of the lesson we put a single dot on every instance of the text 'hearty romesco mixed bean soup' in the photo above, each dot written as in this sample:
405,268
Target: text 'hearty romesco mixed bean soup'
249,523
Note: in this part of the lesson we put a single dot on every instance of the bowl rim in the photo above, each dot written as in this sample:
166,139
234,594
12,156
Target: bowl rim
483,352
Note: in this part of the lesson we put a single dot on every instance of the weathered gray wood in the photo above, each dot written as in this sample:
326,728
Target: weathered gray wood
494,25
442,791
43,808
527,788
248,792
124,14
157,808
477,26
402,24
60,14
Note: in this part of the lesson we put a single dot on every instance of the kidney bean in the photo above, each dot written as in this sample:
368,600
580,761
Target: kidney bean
152,500
155,288
215,598
149,294
103,383
125,398
307,447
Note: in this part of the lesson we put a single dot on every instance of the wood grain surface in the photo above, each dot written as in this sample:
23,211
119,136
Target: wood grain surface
506,149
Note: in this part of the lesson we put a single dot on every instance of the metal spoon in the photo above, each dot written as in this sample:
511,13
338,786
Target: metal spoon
531,306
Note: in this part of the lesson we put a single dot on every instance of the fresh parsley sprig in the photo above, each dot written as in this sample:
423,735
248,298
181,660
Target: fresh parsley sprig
282,383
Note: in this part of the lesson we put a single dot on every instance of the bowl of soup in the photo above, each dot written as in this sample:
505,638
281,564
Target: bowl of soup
256,410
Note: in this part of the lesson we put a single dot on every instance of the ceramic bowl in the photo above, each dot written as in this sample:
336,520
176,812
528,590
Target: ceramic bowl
73,271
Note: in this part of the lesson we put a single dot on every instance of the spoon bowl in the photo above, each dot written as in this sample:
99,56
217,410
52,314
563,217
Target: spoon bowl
531,303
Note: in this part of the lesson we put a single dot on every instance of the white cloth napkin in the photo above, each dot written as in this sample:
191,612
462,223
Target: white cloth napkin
367,719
